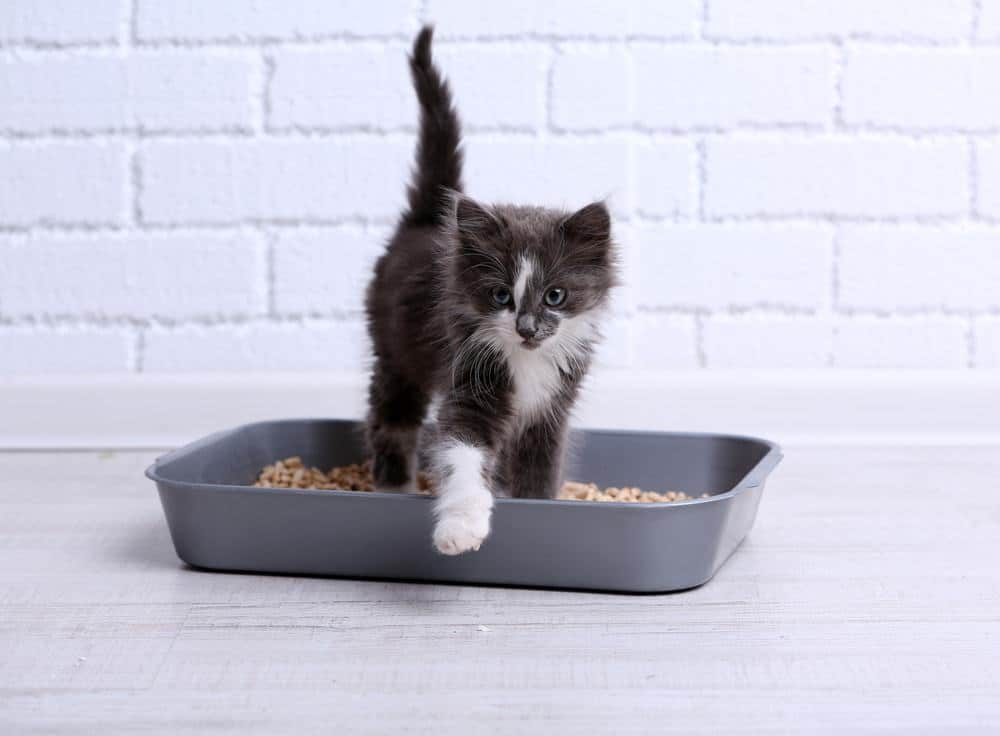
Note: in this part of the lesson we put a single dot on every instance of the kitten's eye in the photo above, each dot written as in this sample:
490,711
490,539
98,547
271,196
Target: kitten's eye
501,296
555,297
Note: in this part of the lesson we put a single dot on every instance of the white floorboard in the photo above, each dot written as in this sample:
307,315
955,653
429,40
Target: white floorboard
867,599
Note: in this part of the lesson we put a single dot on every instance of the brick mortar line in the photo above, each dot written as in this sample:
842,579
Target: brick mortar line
977,15
167,323
138,355
701,179
487,134
974,186
270,242
971,348
707,39
193,227
321,42
835,245
134,185
902,316
548,98
930,222
699,340
839,71
264,70
818,314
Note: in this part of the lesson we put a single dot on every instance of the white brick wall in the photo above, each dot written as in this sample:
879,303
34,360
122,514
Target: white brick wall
987,341
837,176
171,276
677,87
884,20
60,22
163,91
797,184
62,183
873,342
885,87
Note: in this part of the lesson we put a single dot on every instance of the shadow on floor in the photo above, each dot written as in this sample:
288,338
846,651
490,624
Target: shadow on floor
147,544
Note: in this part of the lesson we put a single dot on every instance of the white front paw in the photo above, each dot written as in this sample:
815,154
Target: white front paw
460,532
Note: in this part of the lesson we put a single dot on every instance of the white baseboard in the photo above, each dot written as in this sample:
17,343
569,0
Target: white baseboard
791,408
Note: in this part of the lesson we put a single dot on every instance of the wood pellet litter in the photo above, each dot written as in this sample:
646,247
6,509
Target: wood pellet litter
292,473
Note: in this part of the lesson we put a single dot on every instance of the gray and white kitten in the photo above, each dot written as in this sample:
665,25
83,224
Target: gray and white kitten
492,309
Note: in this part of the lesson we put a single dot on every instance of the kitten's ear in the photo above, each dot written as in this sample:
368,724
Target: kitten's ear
591,224
587,233
473,222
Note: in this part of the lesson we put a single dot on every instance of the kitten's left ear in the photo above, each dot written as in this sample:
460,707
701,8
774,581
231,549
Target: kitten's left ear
591,224
589,231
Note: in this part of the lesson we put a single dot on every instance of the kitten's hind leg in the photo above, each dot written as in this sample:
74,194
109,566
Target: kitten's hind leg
396,409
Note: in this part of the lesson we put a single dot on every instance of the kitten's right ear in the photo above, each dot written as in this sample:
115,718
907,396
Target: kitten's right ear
473,222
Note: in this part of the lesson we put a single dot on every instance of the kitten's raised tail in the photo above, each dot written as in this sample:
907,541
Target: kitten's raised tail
439,157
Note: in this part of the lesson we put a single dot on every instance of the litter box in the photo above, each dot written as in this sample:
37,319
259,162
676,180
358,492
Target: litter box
219,521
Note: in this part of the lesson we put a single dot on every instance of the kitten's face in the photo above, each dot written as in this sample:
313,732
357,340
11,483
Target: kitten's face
535,278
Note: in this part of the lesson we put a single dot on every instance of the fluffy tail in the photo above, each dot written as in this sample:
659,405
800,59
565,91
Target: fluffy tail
439,158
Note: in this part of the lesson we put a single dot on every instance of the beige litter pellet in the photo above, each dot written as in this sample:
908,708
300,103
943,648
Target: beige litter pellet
291,473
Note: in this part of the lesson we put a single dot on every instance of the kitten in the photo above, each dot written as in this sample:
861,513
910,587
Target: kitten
492,309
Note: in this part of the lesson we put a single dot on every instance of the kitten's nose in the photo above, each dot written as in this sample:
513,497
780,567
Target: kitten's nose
526,326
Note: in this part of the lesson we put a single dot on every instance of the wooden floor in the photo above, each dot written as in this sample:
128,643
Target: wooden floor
866,599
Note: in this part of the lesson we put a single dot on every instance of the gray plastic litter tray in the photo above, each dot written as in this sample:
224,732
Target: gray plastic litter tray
217,521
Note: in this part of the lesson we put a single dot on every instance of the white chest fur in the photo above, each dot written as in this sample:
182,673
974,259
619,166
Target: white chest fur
536,378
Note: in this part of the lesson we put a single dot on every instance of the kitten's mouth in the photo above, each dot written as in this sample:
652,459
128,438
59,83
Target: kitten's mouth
530,344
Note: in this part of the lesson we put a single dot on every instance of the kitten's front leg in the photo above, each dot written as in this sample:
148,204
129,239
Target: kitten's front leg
534,459
464,502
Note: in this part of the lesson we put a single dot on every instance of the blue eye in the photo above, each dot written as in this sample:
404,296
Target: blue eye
554,297
501,296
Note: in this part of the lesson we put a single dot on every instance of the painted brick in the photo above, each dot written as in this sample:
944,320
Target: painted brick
233,181
722,266
342,87
616,347
60,21
664,342
169,275
242,20
919,343
324,270
497,86
332,347
766,342
889,268
36,350
565,18
666,177
91,92
889,87
989,20
988,165
581,70
709,87
369,86
987,342
553,173
562,103
836,175
62,183
819,19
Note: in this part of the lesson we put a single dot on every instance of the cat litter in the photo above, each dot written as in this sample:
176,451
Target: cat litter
292,473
